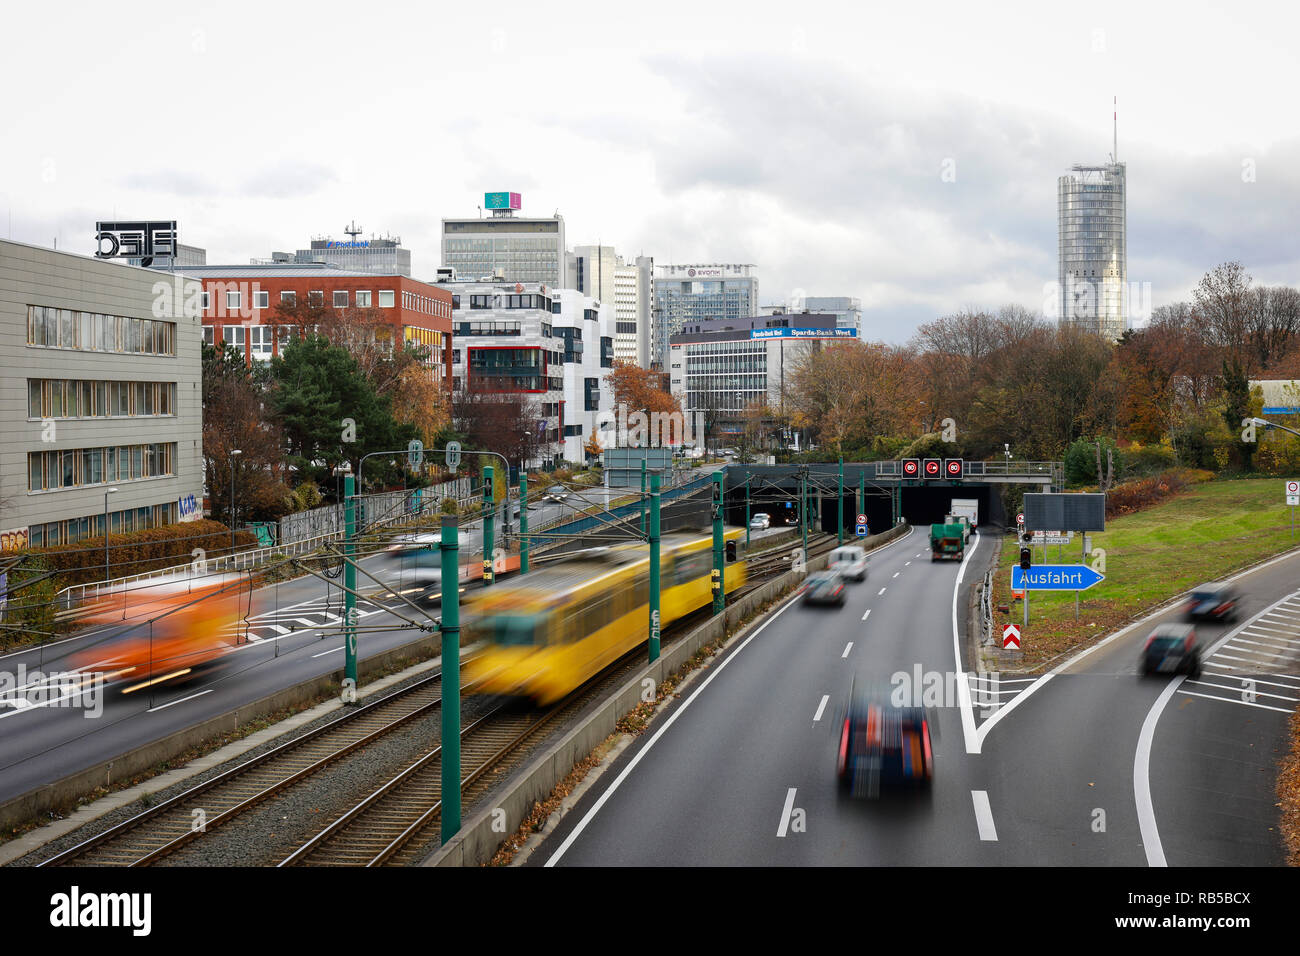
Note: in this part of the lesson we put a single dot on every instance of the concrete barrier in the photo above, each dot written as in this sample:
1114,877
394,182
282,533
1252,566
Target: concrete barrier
478,840
62,793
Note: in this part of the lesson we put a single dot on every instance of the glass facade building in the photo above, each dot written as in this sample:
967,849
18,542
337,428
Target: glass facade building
519,250
1092,231
695,293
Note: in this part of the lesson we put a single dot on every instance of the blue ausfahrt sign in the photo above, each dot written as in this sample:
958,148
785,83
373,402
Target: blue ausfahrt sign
1055,577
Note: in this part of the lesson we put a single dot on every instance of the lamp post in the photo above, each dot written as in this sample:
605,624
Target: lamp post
233,453
110,491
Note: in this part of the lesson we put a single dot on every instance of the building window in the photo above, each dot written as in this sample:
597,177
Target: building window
209,335
233,335
340,298
288,298
261,300
207,301
95,332
386,298
363,298
316,298
259,342
232,301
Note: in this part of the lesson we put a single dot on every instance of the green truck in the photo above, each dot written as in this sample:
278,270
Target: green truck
947,541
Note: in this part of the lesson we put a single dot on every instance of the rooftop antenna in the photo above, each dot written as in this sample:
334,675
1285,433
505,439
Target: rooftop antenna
1114,156
352,230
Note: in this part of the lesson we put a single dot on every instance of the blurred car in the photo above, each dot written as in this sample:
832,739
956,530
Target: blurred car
883,745
850,561
1172,649
555,493
824,587
1212,602
761,521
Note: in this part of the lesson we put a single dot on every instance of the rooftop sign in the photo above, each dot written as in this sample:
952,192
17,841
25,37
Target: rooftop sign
502,201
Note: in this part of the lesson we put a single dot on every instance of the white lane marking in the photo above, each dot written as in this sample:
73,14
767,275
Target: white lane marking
1233,700
969,732
847,647
1251,650
332,650
1267,640
882,591
1253,678
672,719
906,563
897,573
1239,690
152,710
1142,759
866,614
821,708
1142,779
984,816
785,812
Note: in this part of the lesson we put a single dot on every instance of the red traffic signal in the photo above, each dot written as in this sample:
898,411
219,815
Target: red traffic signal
911,467
954,467
933,468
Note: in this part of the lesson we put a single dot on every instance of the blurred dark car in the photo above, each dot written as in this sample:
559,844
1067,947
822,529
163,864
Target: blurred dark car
883,745
824,587
1213,602
1172,649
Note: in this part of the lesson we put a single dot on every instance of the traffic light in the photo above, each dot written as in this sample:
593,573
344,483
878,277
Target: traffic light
933,468
1025,554
911,467
731,551
954,467
717,500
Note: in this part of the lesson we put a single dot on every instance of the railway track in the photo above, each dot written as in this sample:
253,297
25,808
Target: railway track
166,827
383,828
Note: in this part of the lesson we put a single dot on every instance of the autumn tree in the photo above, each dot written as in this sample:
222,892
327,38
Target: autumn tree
637,390
236,416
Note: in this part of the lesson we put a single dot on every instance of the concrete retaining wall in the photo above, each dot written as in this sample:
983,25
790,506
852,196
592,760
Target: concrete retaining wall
62,793
478,841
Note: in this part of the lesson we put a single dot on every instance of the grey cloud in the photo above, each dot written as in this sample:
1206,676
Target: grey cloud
288,180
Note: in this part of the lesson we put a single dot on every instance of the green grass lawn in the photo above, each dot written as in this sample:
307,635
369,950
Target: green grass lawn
1207,532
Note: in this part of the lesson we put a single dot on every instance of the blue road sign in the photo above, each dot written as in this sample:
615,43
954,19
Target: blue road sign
1055,577
862,531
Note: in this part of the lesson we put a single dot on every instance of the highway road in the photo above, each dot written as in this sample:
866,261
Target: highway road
1090,766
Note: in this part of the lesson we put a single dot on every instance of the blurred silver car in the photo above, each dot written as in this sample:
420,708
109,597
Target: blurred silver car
850,561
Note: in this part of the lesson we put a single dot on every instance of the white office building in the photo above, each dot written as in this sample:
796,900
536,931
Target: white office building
600,272
554,346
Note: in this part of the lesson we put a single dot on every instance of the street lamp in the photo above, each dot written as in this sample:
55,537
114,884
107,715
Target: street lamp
233,453
1261,423
110,491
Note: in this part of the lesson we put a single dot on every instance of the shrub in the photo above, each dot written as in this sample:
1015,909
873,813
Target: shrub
139,551
1141,460
1081,460
1131,496
449,506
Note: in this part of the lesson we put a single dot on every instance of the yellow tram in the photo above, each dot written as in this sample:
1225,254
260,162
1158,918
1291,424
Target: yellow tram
552,629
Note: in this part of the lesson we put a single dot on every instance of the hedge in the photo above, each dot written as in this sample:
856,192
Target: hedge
139,551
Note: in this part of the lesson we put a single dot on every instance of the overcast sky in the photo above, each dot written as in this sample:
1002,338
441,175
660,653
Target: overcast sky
810,139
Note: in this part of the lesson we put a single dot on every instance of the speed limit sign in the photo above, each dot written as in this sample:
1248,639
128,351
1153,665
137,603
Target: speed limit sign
1020,518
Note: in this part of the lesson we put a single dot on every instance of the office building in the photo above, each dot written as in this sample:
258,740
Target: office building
553,346
847,310
1092,234
381,255
101,398
599,272
239,306
505,247
720,367
697,292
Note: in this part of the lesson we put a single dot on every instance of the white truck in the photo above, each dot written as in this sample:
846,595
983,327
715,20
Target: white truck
962,520
970,507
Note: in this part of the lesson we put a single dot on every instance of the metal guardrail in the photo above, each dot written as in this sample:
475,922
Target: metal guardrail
986,609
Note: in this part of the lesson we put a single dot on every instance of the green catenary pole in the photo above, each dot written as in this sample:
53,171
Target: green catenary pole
862,492
839,513
450,630
489,513
349,585
643,487
523,522
654,568
719,589
803,511
747,513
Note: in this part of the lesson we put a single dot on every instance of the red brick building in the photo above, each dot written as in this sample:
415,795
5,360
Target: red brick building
238,303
